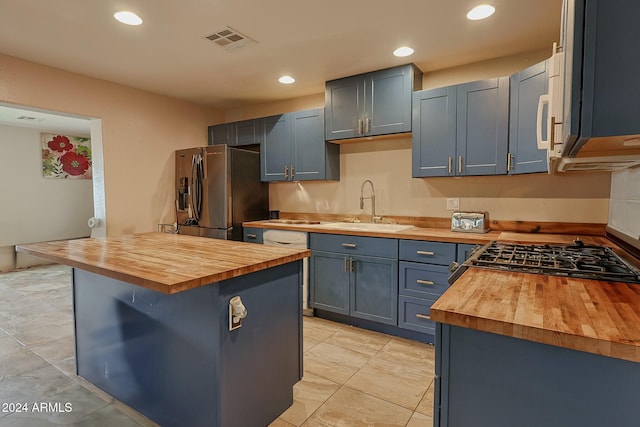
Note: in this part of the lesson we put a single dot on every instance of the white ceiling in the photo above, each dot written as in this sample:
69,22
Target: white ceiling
313,41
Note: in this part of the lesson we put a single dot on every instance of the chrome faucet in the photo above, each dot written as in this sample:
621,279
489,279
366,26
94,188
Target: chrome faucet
374,218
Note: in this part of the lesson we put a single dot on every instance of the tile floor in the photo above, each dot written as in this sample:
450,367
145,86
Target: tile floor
352,377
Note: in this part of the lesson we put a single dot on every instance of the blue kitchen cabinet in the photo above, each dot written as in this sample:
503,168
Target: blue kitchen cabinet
461,130
222,134
377,103
526,87
423,274
329,280
275,149
482,131
293,148
252,235
355,276
434,132
312,157
486,379
246,132
464,251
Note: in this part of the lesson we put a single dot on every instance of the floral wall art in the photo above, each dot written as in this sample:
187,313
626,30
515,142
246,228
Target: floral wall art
66,156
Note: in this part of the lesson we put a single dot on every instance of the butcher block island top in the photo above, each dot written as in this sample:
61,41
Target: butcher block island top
588,315
164,262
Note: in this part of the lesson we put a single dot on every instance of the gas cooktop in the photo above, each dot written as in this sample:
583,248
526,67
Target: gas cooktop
577,260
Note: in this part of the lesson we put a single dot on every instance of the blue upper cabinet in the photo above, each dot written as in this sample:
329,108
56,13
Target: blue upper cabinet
434,132
371,104
526,88
482,127
222,134
246,132
293,148
461,130
312,158
275,150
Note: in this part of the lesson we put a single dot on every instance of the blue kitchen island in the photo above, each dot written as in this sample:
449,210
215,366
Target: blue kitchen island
152,325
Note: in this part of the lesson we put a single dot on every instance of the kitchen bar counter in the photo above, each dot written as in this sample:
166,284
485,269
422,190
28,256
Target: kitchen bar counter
163,262
154,325
587,315
536,350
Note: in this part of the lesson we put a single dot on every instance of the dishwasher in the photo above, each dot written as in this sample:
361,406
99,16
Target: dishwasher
293,239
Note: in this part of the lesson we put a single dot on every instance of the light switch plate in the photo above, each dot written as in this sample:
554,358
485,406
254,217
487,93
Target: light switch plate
453,204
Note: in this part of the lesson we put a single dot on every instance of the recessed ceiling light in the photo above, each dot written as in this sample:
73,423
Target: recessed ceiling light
403,51
128,18
481,12
287,80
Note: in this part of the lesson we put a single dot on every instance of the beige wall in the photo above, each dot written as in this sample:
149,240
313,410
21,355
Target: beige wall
569,197
140,132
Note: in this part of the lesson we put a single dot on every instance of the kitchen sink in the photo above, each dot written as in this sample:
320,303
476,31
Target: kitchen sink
366,226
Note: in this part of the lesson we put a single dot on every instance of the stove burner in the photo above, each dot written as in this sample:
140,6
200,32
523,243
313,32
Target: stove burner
577,260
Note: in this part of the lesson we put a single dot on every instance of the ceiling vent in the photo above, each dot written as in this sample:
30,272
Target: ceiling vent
30,119
230,39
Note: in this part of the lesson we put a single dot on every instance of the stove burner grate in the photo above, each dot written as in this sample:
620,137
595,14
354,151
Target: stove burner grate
580,261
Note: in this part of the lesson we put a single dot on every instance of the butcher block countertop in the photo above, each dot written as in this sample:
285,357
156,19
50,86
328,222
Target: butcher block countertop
434,234
167,263
580,314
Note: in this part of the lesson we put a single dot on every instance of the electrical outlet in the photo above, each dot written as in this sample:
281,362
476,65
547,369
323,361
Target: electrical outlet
453,204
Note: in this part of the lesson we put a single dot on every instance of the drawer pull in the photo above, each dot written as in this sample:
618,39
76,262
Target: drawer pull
349,245
425,252
425,282
423,316
251,236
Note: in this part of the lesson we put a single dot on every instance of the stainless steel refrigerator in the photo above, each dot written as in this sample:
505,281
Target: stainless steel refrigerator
218,188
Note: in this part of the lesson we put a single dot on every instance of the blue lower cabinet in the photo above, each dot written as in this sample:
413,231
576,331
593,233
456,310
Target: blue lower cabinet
423,277
413,314
252,235
346,279
374,289
465,250
329,278
422,280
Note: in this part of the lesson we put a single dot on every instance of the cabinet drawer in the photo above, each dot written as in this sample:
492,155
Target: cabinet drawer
413,314
428,252
252,235
423,280
357,245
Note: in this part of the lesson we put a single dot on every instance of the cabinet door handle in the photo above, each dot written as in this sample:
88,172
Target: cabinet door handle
359,126
367,125
459,164
430,253
345,264
509,161
251,236
349,245
286,172
450,165
351,265
423,316
425,282
293,172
